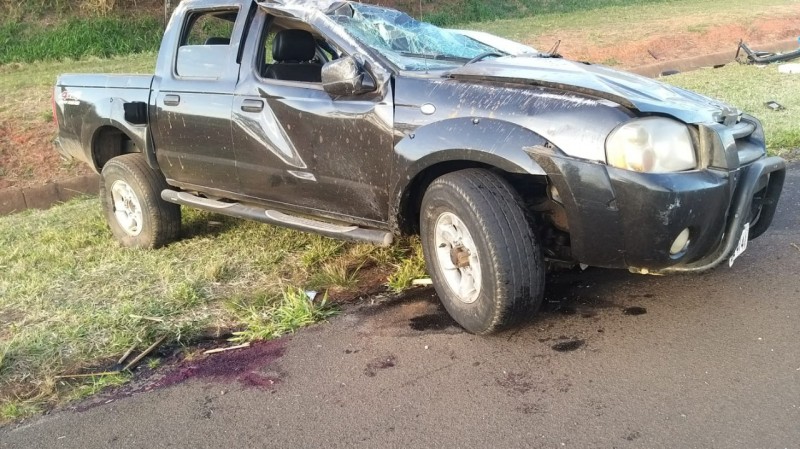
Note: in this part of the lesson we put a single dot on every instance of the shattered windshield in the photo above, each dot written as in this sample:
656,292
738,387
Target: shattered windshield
406,42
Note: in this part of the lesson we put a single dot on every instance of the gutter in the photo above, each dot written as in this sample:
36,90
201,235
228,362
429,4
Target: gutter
711,60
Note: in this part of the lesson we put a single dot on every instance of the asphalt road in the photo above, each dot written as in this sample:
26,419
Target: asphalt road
681,361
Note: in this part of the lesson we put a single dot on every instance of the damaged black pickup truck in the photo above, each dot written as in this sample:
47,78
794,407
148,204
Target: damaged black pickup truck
359,122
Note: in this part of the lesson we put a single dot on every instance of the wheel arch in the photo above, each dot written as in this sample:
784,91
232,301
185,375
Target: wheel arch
499,146
110,141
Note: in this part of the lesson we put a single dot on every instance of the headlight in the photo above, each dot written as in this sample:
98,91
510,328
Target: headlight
653,145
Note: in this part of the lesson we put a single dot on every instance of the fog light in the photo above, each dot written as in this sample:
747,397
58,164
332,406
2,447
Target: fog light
681,243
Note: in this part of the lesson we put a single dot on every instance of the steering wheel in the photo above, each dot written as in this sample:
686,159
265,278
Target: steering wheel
482,56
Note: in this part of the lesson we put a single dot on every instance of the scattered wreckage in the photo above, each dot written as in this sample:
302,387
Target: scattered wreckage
360,122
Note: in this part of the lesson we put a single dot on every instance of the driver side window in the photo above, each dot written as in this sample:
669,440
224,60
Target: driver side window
292,52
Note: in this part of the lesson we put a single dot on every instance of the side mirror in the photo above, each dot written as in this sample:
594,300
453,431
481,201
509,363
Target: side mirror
346,77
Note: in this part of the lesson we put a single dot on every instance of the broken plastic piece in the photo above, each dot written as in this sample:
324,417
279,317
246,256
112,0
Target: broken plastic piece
774,105
763,57
789,68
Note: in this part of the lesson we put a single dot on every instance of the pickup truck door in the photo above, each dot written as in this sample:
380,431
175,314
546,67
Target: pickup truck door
297,146
193,96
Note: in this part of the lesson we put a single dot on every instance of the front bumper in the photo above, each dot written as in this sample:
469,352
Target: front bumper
623,219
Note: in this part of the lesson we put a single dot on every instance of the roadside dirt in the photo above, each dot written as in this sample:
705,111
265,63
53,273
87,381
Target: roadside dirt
670,44
28,158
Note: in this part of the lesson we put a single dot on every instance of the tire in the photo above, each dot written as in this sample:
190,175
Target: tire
130,194
499,280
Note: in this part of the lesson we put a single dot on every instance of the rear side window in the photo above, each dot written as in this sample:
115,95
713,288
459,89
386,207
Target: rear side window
205,44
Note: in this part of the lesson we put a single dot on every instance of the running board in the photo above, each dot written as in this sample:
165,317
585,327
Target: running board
270,216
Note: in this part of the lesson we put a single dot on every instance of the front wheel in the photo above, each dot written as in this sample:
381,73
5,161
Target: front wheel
130,193
481,252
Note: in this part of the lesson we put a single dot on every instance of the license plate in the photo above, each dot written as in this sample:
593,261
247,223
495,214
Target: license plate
742,246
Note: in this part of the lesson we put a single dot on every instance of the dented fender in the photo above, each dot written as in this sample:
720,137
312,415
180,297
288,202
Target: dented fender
479,140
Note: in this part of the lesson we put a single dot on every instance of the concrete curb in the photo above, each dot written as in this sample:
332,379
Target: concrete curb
711,60
16,199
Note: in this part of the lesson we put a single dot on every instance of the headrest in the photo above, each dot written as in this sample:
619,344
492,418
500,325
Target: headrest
294,46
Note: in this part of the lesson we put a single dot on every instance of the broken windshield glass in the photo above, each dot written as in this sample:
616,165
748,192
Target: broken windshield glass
405,41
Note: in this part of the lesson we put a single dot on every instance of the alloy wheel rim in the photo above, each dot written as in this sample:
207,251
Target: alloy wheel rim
458,257
127,209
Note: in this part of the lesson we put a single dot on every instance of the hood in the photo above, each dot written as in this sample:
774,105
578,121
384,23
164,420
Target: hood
630,90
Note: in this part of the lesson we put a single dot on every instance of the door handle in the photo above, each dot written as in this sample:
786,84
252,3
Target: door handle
252,105
172,100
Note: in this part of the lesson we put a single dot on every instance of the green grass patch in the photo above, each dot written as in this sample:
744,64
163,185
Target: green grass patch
610,22
465,11
748,88
72,301
78,38
27,87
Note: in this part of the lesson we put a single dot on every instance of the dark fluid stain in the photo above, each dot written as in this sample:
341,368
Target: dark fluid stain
351,351
633,436
515,382
431,322
238,365
530,409
567,310
633,311
241,365
569,345
380,363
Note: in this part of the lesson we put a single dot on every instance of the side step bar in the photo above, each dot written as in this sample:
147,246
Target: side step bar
348,232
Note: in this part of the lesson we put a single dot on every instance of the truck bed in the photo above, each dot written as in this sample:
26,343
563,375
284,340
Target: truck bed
89,102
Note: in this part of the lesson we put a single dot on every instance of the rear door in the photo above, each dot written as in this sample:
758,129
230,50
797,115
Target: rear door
193,100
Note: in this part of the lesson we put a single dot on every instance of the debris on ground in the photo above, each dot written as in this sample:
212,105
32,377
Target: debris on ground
144,353
763,57
229,348
774,105
790,69
422,282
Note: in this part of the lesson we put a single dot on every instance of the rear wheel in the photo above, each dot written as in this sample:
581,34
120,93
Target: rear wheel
130,193
480,250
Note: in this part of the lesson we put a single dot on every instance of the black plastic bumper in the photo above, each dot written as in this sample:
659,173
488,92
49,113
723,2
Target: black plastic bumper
623,219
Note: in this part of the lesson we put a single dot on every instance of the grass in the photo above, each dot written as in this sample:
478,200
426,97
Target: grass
748,88
411,267
610,23
78,38
26,126
16,9
26,88
464,11
72,301
270,316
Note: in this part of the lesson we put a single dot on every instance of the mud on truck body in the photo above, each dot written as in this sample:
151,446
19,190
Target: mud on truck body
359,122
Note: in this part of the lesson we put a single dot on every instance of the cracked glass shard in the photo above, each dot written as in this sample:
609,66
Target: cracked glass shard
405,41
